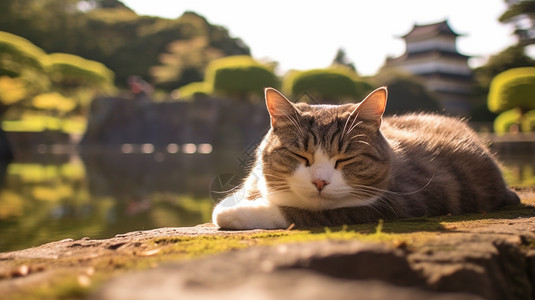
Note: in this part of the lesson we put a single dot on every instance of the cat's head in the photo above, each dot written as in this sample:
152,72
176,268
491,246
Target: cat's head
325,156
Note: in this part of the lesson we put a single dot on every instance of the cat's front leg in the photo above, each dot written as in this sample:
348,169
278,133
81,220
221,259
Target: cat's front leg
249,214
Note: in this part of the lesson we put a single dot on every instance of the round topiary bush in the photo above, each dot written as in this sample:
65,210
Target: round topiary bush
239,77
191,90
326,85
527,123
513,121
507,122
514,88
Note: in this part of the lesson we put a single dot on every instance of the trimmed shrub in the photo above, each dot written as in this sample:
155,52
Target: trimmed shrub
73,71
327,85
190,90
527,123
239,77
513,121
17,53
507,121
514,88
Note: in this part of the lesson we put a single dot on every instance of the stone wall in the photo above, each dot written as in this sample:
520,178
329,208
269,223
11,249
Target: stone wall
220,122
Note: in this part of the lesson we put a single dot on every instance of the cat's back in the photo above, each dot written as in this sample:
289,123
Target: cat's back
431,132
446,157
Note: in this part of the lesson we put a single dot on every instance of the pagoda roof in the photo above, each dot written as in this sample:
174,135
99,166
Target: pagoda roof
432,55
430,30
446,75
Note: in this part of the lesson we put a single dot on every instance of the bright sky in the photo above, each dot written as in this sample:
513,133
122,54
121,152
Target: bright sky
301,34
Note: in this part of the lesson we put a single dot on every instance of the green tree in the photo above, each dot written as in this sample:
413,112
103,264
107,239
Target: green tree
341,60
109,32
49,24
185,62
522,15
186,57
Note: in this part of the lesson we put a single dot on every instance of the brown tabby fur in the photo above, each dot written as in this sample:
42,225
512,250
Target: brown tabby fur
417,165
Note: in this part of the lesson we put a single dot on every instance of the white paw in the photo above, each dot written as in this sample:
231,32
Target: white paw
249,215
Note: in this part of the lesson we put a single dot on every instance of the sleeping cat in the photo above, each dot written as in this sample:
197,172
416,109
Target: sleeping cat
328,165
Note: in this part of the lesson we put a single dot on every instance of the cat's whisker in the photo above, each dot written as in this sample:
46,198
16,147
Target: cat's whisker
378,201
356,137
229,190
362,195
275,191
378,211
295,123
382,202
280,189
347,121
425,186
275,176
275,183
353,127
296,118
362,142
375,205
221,192
381,208
369,188
394,192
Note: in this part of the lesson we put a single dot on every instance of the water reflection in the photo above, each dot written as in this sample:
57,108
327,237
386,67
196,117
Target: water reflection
57,193
48,197
519,170
518,162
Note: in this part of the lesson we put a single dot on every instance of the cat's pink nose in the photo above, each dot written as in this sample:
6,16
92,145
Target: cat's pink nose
320,184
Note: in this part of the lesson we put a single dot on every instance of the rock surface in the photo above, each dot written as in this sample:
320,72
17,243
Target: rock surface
482,258
488,263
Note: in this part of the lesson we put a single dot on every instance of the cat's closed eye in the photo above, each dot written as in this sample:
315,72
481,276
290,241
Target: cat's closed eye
302,158
342,161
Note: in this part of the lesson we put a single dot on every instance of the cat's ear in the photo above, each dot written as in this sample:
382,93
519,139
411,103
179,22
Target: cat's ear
373,106
280,109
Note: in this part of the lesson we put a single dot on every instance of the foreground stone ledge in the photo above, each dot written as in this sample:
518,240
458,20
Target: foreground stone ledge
478,258
494,262
72,248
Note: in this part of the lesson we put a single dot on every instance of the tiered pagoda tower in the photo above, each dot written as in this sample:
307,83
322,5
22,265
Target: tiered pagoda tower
431,53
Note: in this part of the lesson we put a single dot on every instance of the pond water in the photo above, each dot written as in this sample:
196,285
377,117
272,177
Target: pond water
53,195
